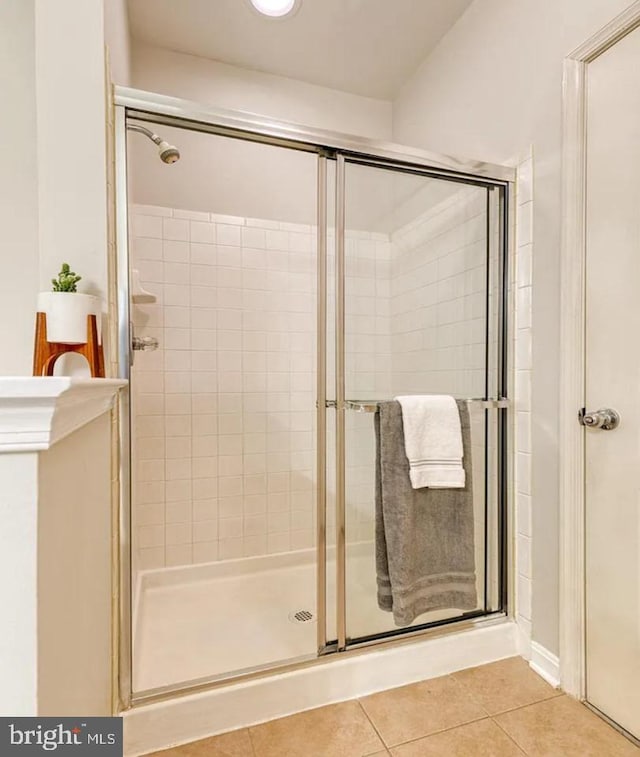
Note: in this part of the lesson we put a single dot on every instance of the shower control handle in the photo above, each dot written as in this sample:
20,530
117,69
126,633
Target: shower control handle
144,343
605,419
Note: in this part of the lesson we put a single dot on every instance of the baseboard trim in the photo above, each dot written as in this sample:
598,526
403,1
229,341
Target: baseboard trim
161,725
545,664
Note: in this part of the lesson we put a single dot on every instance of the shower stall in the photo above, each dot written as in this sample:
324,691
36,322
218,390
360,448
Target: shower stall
275,284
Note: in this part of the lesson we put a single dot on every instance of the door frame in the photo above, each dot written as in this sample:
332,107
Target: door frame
573,357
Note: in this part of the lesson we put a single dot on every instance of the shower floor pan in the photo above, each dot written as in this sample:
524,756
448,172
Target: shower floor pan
207,620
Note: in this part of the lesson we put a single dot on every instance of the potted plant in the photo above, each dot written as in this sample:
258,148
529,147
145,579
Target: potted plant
67,310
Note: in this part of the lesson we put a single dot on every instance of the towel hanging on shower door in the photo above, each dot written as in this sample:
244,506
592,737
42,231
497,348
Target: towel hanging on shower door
425,556
433,440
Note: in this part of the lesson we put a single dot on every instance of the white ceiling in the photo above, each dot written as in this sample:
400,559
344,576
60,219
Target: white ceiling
367,47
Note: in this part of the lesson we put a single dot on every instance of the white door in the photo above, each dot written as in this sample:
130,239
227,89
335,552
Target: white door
613,381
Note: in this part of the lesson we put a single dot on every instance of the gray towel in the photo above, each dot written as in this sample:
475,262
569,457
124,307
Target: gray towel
424,537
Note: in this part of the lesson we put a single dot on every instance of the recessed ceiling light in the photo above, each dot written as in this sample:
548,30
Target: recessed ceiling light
275,8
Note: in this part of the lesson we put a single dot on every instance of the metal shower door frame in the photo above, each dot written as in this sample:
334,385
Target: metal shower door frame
341,149
497,219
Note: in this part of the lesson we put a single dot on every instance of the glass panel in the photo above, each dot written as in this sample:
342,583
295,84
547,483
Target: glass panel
416,323
223,414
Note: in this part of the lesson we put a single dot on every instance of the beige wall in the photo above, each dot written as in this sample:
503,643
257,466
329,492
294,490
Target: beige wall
223,175
52,151
491,88
70,92
118,40
224,86
18,186
212,175
235,177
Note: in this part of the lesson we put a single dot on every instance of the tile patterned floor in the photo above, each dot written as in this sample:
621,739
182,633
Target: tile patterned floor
498,710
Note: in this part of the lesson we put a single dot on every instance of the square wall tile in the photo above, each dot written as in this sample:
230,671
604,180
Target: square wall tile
146,226
175,229
228,235
203,232
175,251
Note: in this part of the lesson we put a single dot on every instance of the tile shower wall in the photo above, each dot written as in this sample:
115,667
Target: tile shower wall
437,304
367,368
224,410
438,320
415,323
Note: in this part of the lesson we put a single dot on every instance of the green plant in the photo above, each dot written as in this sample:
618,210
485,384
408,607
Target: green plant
66,281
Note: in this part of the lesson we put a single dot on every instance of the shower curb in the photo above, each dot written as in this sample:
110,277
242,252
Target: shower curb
165,724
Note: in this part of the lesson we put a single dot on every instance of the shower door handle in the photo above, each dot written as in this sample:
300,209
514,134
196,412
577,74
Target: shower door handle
605,418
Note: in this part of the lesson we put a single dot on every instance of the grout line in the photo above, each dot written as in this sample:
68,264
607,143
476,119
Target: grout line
366,714
442,730
529,704
253,748
508,735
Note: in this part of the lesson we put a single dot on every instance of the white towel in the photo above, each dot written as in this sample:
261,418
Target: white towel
433,441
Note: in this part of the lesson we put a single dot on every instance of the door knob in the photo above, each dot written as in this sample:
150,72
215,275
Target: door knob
144,343
605,418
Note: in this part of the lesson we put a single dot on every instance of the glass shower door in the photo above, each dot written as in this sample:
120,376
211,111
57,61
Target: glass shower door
223,413
421,308
293,286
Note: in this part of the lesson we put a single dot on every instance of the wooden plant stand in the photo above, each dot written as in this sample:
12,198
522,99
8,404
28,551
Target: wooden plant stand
46,353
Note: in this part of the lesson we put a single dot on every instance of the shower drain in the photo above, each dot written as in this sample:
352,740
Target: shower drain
301,616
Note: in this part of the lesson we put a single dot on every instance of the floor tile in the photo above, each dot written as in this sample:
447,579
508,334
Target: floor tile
339,730
505,685
420,709
562,727
483,738
233,744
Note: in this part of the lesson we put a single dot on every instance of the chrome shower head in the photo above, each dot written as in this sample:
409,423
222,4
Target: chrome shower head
168,153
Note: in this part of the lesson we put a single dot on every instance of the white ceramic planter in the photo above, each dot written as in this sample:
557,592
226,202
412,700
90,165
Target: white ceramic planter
67,314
